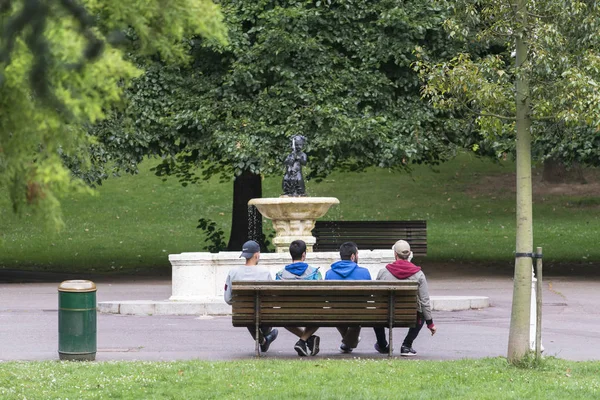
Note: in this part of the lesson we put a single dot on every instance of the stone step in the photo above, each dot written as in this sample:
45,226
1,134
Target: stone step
202,308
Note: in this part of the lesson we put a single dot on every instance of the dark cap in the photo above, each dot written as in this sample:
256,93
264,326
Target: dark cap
249,249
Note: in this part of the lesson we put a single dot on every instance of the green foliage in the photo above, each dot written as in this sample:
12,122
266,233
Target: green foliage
338,73
562,67
491,378
214,235
60,71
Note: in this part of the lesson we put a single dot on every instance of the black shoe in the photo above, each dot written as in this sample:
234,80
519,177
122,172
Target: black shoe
406,351
382,350
300,348
313,344
345,349
269,338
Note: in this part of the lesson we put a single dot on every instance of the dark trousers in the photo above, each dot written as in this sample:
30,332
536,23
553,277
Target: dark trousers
262,332
410,336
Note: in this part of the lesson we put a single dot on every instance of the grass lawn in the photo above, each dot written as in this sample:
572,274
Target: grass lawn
134,222
301,379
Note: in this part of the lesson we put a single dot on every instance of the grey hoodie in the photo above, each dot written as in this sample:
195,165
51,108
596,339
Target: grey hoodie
423,304
245,273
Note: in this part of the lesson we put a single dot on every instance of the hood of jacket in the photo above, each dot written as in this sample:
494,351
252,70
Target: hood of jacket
402,269
344,268
297,268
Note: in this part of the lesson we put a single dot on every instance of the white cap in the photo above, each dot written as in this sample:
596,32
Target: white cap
401,247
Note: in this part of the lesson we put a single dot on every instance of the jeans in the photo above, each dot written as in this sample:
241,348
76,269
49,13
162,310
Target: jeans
410,336
350,336
262,332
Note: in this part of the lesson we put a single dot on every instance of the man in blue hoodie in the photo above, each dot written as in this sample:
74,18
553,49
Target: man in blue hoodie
348,269
400,270
308,343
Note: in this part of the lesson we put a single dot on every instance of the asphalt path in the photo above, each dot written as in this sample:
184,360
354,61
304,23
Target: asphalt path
29,322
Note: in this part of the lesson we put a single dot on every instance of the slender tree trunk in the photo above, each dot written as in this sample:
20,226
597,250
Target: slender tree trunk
518,340
245,187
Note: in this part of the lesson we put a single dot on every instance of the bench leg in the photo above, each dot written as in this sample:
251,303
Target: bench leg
257,323
391,306
391,344
256,341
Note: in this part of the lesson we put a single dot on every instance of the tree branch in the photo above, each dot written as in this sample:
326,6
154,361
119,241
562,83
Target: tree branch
543,118
542,16
483,114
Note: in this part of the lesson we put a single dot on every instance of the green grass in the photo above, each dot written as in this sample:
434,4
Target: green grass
301,379
134,222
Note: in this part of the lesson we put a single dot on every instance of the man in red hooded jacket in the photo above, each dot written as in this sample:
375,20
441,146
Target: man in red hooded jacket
403,269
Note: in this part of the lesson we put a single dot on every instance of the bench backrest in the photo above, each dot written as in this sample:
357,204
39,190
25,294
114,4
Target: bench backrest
371,235
324,303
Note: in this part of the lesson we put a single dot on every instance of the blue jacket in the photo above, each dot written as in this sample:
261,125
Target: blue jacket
347,270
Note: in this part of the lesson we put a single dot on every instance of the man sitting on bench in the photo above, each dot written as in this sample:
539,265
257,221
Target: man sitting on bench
403,269
252,272
299,270
348,269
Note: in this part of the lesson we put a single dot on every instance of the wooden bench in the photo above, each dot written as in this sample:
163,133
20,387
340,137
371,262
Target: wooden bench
371,235
324,304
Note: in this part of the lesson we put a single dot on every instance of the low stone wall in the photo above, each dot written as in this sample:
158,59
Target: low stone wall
200,277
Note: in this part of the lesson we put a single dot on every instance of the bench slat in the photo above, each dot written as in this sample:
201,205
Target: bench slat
371,235
407,323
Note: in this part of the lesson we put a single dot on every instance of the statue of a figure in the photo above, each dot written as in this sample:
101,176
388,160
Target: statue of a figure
293,183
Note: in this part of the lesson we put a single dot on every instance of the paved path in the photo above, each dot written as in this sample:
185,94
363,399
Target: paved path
29,323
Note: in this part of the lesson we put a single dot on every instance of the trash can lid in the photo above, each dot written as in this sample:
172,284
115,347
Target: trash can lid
77,285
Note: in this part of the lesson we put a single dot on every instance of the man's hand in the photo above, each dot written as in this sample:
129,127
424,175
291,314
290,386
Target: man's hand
432,328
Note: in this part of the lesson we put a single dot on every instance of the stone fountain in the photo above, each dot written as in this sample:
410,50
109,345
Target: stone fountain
293,218
293,214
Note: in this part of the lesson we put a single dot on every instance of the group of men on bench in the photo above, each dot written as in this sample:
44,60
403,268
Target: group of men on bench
345,269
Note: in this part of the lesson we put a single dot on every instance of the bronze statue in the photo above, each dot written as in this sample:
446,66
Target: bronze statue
293,183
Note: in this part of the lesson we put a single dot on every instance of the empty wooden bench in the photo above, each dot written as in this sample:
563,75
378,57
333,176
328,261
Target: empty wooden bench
371,235
324,304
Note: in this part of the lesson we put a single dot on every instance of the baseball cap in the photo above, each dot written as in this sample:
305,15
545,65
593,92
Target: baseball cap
249,248
401,247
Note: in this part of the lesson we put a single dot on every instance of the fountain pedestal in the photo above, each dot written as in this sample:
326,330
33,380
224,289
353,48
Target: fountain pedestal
293,218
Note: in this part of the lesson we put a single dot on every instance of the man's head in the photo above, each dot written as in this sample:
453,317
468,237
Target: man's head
251,251
298,250
349,251
401,249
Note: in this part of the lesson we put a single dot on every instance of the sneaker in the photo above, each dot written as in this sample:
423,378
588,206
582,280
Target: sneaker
382,350
406,351
345,349
269,338
313,345
300,348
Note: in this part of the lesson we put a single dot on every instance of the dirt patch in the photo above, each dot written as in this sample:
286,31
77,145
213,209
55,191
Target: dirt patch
493,185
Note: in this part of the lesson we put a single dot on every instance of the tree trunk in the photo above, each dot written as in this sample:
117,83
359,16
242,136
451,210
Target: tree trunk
245,187
556,172
518,340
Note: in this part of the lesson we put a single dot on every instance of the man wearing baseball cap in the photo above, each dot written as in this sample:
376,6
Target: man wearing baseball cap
252,272
404,269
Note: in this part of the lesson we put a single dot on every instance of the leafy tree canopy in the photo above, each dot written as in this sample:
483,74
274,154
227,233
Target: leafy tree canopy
61,69
337,72
562,66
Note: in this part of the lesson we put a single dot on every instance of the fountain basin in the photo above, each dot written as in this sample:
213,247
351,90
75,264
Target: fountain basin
293,217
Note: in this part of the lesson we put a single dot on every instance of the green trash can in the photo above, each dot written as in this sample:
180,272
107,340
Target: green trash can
77,320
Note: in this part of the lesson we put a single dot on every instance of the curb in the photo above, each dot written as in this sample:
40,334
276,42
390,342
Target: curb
166,307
